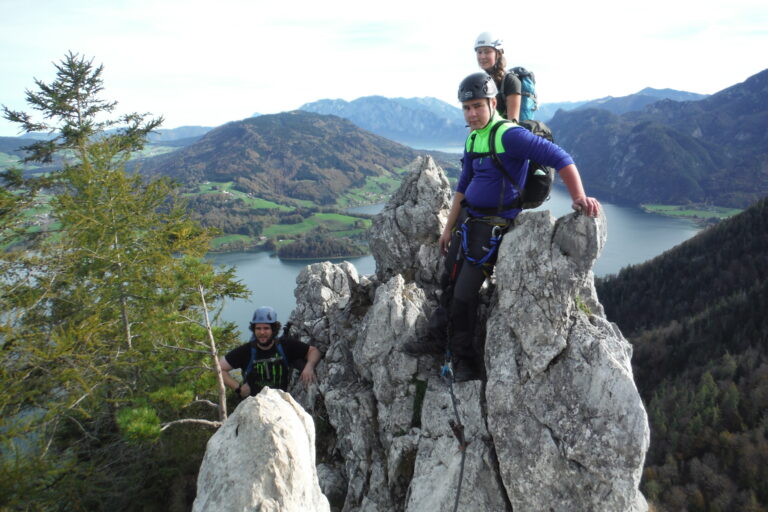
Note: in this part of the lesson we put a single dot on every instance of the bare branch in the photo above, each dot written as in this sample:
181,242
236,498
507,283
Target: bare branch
191,320
215,357
82,429
209,423
74,404
182,369
184,349
205,402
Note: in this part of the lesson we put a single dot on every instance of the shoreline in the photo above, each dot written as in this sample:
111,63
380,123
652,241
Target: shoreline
700,215
324,258
257,249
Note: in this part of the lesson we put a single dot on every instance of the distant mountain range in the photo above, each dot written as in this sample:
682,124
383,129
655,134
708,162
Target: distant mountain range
417,122
182,133
174,137
655,146
714,150
429,122
547,111
618,105
639,100
11,145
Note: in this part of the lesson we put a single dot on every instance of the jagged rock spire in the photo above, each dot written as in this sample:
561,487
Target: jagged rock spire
262,458
558,425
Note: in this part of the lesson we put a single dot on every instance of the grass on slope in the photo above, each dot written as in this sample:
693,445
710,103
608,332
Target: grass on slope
696,212
214,187
334,223
377,189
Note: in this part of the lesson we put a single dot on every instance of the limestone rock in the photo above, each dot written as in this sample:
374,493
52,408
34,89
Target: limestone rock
262,458
566,429
566,419
438,477
558,425
403,235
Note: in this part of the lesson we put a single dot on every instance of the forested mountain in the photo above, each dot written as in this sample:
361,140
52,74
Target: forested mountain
418,122
274,176
696,316
297,155
713,150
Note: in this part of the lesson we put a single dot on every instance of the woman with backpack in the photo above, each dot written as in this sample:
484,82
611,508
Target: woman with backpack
489,51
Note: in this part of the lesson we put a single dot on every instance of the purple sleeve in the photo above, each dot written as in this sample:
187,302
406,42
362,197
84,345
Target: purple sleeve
466,173
521,144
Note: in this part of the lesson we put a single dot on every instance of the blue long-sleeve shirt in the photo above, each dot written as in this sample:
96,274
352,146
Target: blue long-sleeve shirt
481,181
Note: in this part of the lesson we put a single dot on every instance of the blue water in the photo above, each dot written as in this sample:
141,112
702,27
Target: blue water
634,236
271,282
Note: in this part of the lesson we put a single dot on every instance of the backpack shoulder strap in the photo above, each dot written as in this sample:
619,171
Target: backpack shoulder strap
247,371
492,144
495,155
281,351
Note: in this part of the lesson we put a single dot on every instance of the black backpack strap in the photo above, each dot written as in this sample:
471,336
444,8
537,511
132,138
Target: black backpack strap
492,145
497,162
517,203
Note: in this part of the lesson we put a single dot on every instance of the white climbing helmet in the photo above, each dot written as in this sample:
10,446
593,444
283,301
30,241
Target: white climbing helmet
488,39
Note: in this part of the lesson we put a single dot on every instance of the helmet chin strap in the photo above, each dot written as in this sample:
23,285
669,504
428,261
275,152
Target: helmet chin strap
490,112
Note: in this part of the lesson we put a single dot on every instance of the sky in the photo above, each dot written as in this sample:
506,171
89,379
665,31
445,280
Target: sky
204,63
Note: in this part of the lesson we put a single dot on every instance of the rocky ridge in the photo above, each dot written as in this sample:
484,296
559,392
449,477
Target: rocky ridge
557,425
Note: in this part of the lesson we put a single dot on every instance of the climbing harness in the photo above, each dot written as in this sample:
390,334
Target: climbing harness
495,240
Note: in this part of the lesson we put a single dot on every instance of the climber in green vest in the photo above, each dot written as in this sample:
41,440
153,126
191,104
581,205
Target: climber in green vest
485,205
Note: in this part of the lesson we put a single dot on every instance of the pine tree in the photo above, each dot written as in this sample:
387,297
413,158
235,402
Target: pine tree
104,335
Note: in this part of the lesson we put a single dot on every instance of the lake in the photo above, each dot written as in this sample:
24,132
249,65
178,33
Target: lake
634,236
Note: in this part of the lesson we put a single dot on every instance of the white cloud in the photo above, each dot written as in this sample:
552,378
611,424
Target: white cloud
207,63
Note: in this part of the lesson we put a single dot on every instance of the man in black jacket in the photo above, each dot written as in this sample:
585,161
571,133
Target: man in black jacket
267,360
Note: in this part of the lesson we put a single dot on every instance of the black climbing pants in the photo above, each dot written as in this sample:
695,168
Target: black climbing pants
463,279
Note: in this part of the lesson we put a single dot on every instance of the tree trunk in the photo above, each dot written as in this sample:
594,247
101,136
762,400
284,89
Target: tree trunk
215,356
